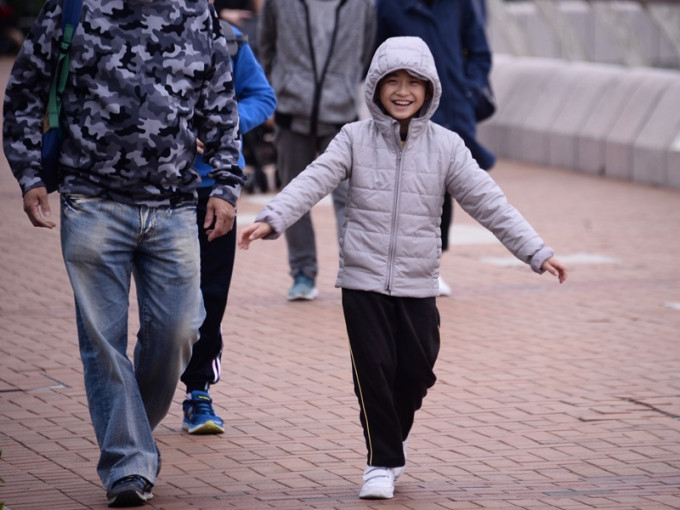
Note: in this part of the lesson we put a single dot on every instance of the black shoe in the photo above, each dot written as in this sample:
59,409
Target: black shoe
133,490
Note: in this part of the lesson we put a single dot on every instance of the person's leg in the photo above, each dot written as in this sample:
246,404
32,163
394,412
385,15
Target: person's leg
374,361
339,197
339,194
447,218
204,368
417,344
98,243
167,277
293,153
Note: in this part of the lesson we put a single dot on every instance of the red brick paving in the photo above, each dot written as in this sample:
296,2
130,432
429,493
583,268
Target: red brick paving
549,397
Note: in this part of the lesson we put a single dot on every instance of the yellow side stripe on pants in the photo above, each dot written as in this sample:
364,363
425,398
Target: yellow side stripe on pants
363,407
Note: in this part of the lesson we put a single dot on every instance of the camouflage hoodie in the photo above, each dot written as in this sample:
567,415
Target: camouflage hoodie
147,77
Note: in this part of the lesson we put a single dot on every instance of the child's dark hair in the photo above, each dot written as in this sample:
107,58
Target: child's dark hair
429,88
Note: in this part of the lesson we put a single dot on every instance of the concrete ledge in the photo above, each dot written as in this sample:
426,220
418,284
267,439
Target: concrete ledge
658,140
569,135
637,110
609,120
622,32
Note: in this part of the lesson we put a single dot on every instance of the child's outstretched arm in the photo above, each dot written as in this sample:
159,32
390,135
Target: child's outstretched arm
257,230
555,268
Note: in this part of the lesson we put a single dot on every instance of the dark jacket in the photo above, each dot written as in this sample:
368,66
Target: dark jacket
456,38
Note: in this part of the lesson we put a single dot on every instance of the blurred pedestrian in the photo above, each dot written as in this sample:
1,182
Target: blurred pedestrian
256,103
11,36
241,14
315,53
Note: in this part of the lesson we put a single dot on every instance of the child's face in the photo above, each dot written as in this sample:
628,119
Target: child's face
402,95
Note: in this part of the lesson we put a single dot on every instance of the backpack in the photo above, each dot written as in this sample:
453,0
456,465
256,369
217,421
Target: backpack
52,132
234,40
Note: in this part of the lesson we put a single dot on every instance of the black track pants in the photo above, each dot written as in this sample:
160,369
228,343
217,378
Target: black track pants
394,344
217,265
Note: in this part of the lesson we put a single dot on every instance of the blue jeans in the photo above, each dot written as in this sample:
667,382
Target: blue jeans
104,244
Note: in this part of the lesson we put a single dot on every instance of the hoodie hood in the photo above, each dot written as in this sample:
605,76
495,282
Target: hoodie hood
412,55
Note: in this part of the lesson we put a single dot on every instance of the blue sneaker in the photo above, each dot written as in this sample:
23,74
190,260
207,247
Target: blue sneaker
133,490
199,417
303,289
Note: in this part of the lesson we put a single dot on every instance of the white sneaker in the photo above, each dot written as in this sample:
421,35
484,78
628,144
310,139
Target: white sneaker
444,289
378,483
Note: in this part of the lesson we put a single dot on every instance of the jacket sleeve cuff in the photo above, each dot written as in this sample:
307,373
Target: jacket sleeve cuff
229,194
537,259
274,220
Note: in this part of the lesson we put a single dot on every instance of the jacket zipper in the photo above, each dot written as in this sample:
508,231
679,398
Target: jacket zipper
395,217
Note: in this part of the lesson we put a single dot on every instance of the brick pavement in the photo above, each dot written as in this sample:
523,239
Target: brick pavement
549,397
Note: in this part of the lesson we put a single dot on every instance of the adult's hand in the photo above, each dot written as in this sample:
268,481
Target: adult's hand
219,218
37,207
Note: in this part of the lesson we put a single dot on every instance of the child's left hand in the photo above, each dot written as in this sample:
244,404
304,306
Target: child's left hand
555,268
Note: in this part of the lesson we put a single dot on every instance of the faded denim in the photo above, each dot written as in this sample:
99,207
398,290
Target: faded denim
104,244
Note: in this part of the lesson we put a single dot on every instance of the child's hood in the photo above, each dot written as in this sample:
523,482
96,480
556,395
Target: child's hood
411,54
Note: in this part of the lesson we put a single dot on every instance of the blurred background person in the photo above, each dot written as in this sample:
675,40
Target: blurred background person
11,36
315,53
256,102
243,15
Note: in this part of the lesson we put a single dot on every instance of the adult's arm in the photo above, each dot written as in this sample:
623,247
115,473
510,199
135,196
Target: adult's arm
255,96
26,97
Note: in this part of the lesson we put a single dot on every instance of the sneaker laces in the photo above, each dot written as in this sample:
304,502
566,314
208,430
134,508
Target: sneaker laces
203,407
202,404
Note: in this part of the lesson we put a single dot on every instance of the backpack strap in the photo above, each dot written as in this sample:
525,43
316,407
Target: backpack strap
234,40
70,17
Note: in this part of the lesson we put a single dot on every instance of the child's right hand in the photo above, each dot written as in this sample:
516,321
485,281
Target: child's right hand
555,268
257,230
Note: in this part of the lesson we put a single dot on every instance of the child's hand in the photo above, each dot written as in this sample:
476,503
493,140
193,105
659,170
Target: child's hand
255,231
555,268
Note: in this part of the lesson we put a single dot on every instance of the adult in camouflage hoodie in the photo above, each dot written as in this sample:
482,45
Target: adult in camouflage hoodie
147,78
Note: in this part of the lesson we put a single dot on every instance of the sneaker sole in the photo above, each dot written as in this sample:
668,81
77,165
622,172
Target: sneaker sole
209,427
305,297
377,494
129,498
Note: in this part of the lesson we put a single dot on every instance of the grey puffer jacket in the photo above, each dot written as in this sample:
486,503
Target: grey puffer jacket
391,237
